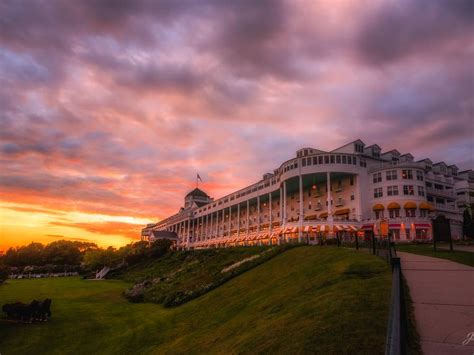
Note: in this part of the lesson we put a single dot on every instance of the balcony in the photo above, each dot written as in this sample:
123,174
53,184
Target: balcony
439,192
441,207
339,203
338,189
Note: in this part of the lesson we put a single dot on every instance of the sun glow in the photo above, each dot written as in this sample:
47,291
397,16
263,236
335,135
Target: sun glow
23,223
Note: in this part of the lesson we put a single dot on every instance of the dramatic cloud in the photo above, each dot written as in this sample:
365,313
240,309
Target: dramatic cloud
109,108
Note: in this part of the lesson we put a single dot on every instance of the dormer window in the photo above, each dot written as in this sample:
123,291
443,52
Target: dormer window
359,148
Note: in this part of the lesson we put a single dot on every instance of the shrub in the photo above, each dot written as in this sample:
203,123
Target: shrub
4,271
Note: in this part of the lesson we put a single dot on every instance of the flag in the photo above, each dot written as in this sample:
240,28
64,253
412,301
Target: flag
198,177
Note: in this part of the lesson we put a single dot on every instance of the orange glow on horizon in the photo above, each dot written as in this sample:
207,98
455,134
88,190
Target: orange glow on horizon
22,224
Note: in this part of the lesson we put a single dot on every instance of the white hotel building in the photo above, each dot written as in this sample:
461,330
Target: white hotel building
318,195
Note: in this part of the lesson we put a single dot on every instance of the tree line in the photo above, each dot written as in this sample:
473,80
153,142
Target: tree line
82,256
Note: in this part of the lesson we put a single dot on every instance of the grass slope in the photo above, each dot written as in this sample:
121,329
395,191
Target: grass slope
186,274
462,257
306,300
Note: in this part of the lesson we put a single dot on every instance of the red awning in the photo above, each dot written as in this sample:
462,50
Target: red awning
422,225
394,225
367,227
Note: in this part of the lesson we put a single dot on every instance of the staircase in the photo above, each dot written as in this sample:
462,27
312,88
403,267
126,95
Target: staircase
102,273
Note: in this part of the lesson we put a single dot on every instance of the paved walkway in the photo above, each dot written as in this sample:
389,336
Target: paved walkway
443,297
468,248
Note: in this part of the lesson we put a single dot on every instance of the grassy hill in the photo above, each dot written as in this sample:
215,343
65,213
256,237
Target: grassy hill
178,277
306,300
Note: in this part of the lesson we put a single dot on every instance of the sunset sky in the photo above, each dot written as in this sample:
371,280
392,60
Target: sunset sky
109,108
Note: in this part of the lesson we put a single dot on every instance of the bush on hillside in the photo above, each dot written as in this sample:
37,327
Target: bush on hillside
4,270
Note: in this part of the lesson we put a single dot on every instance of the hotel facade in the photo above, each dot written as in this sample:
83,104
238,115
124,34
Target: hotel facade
319,195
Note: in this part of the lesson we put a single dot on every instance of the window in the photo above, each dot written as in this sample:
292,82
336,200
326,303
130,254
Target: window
338,159
410,213
421,191
326,159
378,214
394,213
392,190
419,175
352,197
332,159
320,160
304,162
407,174
344,159
354,161
315,160
349,160
428,184
377,177
352,180
391,175
408,190
378,192
422,213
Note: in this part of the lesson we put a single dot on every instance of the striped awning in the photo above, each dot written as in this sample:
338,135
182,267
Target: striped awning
422,225
394,225
307,229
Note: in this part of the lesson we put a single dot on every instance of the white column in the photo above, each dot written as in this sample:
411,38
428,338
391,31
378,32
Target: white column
247,220
270,227
258,219
207,226
300,217
238,220
217,224
202,227
228,223
330,218
258,214
281,206
188,235
223,221
211,234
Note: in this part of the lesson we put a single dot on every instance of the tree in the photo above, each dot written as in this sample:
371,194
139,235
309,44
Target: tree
31,254
62,252
4,270
467,224
98,258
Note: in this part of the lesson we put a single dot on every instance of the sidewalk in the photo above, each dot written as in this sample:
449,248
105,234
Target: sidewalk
443,297
468,248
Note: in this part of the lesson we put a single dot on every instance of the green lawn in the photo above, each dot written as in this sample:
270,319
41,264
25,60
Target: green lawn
193,272
462,257
306,300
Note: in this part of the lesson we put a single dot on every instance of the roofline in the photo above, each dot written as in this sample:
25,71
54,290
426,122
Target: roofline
345,145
